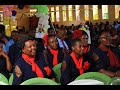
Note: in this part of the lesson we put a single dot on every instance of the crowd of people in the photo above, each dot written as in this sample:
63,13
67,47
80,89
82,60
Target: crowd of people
83,48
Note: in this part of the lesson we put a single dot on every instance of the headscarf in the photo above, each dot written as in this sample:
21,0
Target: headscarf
77,34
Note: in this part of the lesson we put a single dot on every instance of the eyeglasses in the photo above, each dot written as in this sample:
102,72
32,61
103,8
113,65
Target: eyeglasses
84,38
107,37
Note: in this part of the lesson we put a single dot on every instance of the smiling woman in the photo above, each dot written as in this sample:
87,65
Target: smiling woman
53,54
30,65
74,64
5,65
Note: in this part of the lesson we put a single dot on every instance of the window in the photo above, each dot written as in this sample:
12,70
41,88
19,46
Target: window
95,12
57,14
32,12
64,13
77,10
86,7
70,12
117,7
105,14
1,16
52,14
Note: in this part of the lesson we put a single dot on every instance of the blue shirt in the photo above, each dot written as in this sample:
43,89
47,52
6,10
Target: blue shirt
10,42
4,47
61,44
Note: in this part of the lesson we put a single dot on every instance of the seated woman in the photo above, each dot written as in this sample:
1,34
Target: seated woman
5,64
107,57
88,48
50,31
30,66
53,54
74,64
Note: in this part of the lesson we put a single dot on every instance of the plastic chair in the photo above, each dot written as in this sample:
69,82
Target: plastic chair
11,79
3,79
86,82
57,71
3,83
39,81
114,81
95,75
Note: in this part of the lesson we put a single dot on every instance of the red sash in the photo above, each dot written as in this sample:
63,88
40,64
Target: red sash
79,62
55,59
112,57
35,67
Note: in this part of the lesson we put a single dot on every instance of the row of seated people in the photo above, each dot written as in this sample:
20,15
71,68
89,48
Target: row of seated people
80,58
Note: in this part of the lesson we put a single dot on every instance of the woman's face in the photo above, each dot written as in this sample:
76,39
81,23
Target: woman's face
84,39
105,39
30,48
78,48
53,43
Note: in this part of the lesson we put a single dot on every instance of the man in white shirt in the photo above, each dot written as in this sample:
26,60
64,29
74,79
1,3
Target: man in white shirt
62,43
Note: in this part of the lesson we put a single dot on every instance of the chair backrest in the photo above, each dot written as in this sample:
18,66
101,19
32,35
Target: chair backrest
3,79
114,81
39,81
57,71
3,83
11,79
86,82
95,75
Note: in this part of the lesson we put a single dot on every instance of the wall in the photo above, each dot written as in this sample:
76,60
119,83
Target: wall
25,20
111,10
21,20
23,17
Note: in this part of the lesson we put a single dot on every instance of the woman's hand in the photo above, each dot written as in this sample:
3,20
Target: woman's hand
8,63
117,74
3,54
5,40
